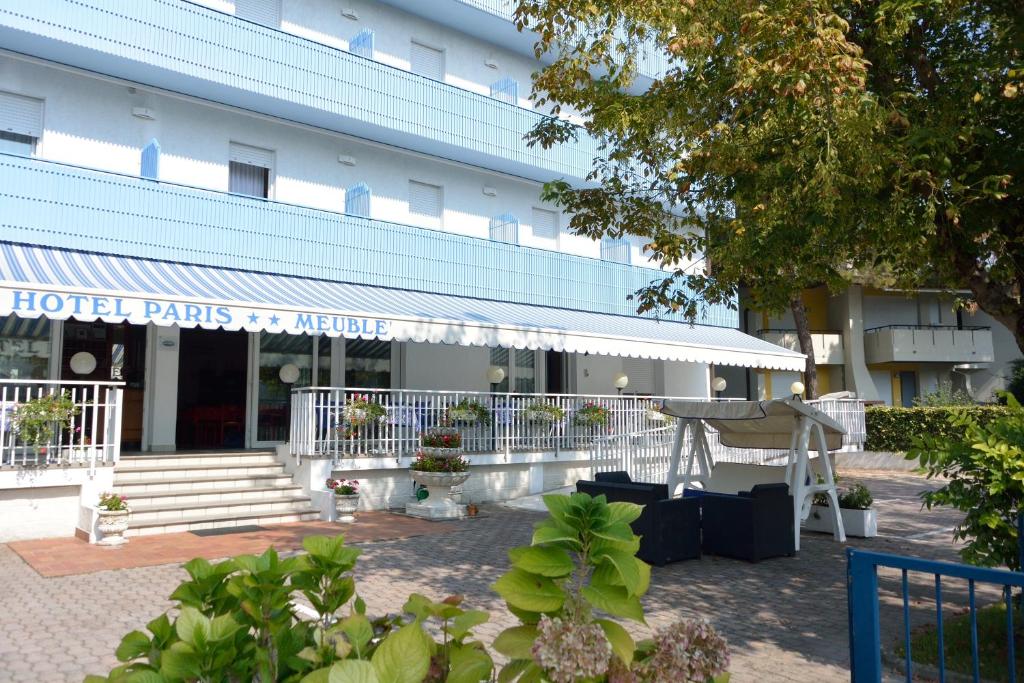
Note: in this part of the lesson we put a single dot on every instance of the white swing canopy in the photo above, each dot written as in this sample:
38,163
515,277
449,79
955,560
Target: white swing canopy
786,424
756,424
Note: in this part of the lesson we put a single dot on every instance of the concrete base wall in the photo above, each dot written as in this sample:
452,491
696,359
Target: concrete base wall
48,502
874,460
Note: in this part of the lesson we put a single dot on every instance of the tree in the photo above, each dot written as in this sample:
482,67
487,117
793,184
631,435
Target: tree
796,143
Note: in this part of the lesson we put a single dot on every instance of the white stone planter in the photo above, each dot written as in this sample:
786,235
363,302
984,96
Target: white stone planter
112,524
859,523
439,503
436,452
346,507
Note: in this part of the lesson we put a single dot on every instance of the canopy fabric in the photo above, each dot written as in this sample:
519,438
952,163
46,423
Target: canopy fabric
59,284
756,424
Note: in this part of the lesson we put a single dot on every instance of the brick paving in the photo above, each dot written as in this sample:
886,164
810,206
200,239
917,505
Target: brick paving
785,619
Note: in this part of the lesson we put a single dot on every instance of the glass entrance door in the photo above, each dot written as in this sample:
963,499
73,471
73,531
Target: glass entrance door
285,362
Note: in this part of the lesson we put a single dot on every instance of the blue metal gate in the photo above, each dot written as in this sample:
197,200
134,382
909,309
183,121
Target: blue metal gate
862,597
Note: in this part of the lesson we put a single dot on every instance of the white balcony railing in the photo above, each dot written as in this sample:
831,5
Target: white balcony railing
92,437
928,344
320,426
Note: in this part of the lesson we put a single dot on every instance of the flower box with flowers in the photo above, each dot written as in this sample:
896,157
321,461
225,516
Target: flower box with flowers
346,498
469,413
591,415
113,514
438,475
360,411
441,442
543,413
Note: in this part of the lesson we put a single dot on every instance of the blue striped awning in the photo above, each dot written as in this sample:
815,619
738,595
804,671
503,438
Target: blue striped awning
58,284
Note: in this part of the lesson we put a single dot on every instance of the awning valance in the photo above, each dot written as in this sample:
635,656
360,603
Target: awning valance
60,284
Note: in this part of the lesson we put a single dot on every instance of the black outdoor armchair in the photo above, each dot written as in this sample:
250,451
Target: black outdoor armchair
669,529
751,526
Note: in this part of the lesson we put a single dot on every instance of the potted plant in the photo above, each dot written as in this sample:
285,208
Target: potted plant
38,420
441,442
346,498
654,414
438,474
113,514
469,412
543,413
359,411
859,518
591,415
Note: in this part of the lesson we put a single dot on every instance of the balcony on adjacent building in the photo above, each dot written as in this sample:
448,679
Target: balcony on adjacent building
70,207
828,344
190,49
928,344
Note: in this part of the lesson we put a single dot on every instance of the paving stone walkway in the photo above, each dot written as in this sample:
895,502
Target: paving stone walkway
785,619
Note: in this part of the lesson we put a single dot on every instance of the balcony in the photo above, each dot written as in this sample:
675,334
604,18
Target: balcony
928,344
75,208
828,344
197,51
494,19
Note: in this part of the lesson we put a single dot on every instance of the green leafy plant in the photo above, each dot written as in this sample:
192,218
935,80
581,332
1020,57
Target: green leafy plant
236,621
857,497
982,469
581,563
893,429
38,420
426,462
112,502
543,412
468,411
361,411
590,415
943,396
1015,383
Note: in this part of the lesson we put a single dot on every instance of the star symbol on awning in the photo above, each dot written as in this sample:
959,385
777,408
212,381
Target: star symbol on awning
253,318
274,320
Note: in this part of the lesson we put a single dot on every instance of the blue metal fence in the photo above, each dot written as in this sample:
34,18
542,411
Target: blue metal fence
70,207
865,622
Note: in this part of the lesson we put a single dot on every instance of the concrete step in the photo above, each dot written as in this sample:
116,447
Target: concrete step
211,496
136,487
124,476
282,504
303,514
128,462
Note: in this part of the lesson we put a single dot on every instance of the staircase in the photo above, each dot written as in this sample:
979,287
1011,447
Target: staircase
192,491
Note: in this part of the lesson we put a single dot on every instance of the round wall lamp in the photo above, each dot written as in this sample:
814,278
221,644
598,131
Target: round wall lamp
621,381
289,373
719,384
797,388
495,374
82,363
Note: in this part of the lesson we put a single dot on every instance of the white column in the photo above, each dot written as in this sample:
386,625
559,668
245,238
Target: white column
160,405
858,379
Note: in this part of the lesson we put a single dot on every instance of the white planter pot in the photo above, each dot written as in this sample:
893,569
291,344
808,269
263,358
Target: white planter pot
436,452
346,507
438,504
112,524
859,523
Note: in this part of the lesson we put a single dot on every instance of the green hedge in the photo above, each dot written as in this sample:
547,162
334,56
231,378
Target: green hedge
893,429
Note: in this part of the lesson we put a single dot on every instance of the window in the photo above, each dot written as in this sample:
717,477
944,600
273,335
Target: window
21,123
266,12
617,250
499,358
507,90
426,61
505,228
525,371
367,364
545,224
24,347
362,44
426,203
249,170
357,200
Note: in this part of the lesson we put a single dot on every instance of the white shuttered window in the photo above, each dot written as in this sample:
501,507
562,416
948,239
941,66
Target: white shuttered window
426,204
21,123
545,224
426,61
641,375
266,12
250,170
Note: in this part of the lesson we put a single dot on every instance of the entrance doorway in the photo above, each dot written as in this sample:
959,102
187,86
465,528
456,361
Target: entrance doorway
212,368
119,351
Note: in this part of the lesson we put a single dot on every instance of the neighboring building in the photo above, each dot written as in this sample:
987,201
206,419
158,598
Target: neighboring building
890,346
199,195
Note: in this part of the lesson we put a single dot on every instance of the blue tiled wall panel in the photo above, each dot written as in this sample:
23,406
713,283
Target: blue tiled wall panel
64,206
191,49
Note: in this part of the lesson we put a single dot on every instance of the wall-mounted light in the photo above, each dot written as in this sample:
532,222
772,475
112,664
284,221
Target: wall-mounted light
490,191
719,384
143,113
491,63
346,160
289,373
350,13
167,342
621,381
82,363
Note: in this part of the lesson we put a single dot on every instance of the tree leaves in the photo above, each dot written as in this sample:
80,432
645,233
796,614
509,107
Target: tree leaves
402,657
545,561
529,591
